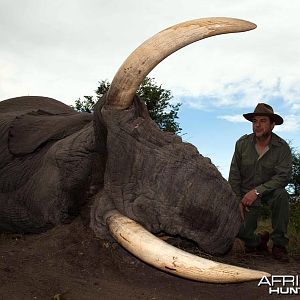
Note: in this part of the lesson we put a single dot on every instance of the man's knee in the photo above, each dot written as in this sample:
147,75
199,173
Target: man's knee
280,199
281,194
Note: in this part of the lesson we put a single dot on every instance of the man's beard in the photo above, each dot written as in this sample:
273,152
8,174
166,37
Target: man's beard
264,136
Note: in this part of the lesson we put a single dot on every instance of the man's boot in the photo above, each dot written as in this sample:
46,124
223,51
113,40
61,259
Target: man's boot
264,239
263,246
280,253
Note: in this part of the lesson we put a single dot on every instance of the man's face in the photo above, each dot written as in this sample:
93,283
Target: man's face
262,127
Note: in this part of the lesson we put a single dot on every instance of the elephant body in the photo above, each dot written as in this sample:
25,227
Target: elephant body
47,153
52,157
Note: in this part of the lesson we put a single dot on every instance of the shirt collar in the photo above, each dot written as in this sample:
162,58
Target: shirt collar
275,140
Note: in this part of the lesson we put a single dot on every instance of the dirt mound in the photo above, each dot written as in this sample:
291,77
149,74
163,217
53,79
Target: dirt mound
68,262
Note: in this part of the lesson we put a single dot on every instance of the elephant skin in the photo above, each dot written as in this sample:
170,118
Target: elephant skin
53,158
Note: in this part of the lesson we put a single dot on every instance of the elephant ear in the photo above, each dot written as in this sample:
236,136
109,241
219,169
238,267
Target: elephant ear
33,129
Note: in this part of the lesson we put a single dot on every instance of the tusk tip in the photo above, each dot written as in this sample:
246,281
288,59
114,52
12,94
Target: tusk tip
267,274
251,25
242,25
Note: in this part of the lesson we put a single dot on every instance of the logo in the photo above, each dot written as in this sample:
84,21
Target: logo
281,284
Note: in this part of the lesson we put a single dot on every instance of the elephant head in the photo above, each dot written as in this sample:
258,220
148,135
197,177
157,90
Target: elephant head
53,158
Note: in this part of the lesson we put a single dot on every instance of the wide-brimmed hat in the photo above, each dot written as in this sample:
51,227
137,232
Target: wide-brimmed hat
263,109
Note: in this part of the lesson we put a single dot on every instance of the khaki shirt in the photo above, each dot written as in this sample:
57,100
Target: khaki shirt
270,171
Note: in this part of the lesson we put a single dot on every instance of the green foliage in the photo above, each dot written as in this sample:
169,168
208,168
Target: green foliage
295,215
156,98
102,88
295,181
85,105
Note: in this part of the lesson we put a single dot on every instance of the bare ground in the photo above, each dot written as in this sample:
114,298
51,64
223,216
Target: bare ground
68,262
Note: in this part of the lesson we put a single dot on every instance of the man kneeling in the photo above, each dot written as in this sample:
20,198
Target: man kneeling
260,169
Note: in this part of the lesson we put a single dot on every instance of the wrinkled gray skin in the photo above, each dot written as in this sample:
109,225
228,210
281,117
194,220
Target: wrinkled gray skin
54,160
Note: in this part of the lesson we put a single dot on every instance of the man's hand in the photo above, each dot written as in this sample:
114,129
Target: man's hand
247,200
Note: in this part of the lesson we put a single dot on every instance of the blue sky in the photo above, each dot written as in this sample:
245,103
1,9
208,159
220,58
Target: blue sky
214,131
61,49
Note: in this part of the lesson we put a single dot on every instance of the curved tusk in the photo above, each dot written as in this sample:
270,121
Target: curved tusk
149,54
158,253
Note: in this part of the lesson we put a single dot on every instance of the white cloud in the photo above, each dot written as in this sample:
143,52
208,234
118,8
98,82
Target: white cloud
233,118
61,49
241,94
291,124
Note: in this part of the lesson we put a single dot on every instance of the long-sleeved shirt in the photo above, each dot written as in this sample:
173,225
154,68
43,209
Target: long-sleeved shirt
270,171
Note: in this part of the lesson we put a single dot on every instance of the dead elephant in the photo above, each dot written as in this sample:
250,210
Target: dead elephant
51,156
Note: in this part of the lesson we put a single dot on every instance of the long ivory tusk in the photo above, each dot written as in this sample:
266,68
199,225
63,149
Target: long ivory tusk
149,54
158,253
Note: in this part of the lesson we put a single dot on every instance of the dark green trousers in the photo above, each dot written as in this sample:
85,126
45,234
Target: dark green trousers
278,200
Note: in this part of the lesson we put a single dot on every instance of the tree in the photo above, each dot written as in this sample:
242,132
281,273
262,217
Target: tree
156,98
294,185
294,190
